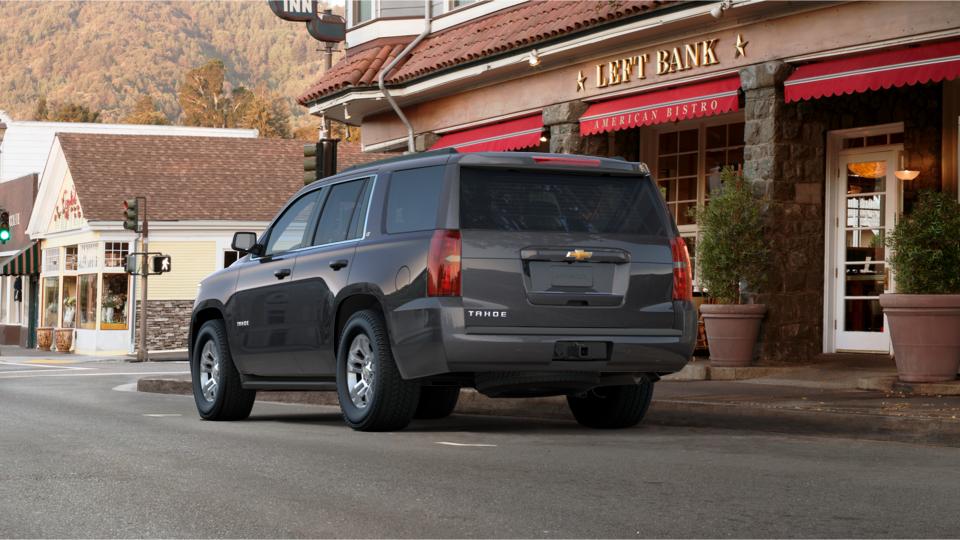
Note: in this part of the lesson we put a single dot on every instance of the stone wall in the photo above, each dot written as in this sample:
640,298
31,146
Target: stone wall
168,323
785,158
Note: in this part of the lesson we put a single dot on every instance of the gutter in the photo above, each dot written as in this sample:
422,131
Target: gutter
411,148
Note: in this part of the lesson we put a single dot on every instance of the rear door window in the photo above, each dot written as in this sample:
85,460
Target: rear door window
338,212
413,199
507,200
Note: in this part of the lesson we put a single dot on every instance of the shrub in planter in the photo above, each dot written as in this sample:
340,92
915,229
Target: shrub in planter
924,314
731,250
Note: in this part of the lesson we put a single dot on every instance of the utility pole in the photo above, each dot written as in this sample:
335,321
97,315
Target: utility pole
142,350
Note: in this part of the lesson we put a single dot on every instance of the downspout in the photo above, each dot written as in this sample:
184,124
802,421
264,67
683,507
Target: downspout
411,148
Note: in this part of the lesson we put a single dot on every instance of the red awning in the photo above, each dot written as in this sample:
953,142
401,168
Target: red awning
691,101
509,135
927,63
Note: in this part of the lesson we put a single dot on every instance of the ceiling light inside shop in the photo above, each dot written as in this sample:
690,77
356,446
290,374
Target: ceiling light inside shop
868,169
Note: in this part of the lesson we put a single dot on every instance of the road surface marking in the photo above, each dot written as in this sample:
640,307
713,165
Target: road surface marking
446,443
162,415
28,374
49,361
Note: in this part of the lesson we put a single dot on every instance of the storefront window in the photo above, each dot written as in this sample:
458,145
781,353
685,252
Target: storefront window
69,302
51,300
87,302
51,260
677,172
113,315
115,253
89,257
70,258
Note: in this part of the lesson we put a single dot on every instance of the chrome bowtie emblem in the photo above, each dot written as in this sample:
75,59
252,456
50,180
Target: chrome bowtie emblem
579,255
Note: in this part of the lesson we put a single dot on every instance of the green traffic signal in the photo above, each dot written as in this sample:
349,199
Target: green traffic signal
4,227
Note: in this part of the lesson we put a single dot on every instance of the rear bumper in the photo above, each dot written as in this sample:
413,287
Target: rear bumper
430,338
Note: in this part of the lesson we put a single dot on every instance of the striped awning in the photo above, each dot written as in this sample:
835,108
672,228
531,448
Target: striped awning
26,262
885,69
661,106
501,137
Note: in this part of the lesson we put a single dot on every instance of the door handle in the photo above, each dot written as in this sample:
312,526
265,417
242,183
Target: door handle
338,264
282,273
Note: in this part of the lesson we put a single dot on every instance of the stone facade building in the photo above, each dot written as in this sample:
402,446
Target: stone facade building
821,105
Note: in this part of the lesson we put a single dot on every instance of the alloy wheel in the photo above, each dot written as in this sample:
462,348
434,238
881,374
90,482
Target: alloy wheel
360,371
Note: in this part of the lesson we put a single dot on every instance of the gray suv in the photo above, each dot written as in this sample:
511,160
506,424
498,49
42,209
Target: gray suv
398,283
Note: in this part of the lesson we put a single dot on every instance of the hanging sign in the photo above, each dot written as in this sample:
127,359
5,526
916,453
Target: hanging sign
294,10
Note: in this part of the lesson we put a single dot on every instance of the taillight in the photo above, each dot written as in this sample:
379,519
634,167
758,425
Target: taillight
443,264
682,280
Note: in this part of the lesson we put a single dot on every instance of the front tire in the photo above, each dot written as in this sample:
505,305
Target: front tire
437,402
373,395
612,407
217,390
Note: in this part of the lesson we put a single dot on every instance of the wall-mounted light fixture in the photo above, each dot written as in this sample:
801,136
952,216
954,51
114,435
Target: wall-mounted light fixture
543,137
718,10
904,173
533,58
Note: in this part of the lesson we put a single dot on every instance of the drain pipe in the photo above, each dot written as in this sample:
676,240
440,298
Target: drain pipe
411,148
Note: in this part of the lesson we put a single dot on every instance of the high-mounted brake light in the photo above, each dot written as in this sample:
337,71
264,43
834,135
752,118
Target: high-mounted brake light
552,160
443,264
682,278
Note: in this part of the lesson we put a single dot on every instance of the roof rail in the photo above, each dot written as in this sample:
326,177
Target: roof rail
404,157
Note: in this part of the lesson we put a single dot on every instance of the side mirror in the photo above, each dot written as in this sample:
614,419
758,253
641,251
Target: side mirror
245,242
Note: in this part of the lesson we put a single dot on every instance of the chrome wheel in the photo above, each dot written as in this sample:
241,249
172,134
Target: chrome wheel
209,370
360,371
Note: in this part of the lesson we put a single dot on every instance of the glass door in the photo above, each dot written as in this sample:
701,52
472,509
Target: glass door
868,200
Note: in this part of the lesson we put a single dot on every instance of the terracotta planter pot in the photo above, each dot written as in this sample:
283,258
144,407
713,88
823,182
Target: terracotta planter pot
64,339
44,338
925,331
732,331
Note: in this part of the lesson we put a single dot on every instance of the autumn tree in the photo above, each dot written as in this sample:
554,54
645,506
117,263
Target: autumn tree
145,112
264,111
202,98
64,112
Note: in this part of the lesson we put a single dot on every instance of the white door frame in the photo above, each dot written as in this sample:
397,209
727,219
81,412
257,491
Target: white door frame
831,202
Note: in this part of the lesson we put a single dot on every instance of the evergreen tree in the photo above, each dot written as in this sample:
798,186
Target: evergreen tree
72,112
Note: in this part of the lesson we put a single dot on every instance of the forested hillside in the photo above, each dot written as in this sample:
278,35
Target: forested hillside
108,55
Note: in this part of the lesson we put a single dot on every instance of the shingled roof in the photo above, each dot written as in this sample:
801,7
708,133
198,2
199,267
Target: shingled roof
518,27
183,178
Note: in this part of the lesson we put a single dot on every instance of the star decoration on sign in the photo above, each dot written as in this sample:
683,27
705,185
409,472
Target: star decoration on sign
580,81
741,46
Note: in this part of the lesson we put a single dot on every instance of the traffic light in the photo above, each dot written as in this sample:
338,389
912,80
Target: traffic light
161,264
131,214
4,227
319,160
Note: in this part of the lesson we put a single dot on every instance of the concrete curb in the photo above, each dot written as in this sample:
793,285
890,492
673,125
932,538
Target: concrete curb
892,384
701,370
671,412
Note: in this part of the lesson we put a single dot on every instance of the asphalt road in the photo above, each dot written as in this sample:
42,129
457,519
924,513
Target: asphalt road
81,457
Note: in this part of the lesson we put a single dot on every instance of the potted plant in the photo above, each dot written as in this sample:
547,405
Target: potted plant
731,252
64,339
110,304
924,314
44,338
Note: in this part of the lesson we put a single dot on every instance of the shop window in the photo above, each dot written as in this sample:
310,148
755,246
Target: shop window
69,302
89,256
51,300
113,314
70,258
230,257
689,158
873,140
115,253
87,301
51,261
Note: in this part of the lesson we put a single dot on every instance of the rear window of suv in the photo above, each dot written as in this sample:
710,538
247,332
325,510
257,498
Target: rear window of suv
507,200
413,199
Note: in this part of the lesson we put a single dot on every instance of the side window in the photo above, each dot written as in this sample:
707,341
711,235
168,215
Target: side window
290,230
338,212
413,199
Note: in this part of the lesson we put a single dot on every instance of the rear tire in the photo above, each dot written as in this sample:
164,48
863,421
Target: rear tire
437,402
217,390
373,395
612,407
